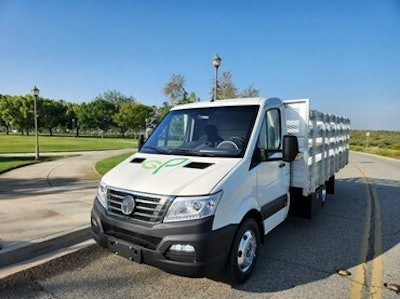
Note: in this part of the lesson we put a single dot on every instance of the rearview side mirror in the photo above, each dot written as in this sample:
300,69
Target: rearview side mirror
290,148
140,142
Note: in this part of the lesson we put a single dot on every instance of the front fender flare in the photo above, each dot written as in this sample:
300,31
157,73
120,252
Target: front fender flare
244,207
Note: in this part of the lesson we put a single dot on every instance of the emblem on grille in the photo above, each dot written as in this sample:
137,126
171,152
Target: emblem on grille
128,204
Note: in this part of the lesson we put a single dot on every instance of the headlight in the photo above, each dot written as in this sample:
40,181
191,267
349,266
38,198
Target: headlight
190,208
102,194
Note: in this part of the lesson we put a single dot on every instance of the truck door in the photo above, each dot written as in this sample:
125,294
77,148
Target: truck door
273,174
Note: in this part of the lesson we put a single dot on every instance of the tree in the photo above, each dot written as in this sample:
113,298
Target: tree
122,118
193,98
7,111
3,123
141,114
24,118
97,114
162,111
225,89
116,97
249,92
175,90
17,112
132,116
186,99
72,111
53,114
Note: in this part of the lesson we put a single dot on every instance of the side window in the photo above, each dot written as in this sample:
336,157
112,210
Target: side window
270,135
262,139
269,140
273,122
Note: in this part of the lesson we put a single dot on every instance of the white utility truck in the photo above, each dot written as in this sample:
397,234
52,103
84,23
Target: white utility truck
214,178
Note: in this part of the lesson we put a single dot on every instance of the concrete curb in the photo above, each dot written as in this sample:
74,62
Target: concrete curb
61,193
22,252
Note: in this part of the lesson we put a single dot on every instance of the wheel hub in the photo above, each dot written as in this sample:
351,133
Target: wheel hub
247,251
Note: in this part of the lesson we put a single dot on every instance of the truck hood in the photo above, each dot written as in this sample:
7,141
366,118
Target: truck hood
170,175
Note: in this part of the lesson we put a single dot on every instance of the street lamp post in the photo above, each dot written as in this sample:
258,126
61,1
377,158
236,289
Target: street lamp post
35,94
216,62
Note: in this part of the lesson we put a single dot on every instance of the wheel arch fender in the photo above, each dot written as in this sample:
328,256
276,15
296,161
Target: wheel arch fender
249,208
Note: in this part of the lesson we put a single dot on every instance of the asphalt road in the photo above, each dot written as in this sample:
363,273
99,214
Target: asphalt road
357,230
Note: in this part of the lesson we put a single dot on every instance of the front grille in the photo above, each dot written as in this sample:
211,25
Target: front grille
149,208
130,236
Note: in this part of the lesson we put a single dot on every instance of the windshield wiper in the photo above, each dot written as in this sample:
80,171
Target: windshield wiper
185,152
158,150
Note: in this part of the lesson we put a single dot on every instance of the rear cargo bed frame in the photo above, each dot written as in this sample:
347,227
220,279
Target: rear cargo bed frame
323,144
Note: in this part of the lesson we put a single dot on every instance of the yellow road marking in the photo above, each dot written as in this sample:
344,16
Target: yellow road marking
377,265
359,275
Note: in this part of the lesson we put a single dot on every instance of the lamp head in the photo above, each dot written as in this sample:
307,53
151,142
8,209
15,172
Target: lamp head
217,61
35,91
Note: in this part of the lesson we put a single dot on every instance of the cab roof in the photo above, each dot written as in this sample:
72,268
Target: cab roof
229,102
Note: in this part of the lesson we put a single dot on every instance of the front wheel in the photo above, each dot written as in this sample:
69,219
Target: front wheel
243,255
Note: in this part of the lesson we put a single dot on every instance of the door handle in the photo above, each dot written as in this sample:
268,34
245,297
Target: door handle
282,165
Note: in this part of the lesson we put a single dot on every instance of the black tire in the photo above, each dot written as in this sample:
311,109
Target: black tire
330,185
245,243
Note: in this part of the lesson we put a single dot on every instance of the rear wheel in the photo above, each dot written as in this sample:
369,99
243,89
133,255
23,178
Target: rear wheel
307,206
321,195
243,255
330,185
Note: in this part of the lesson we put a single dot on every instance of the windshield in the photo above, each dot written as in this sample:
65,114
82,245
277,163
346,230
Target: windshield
217,131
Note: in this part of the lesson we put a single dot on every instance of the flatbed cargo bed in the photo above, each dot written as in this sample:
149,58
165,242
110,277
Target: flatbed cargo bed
323,144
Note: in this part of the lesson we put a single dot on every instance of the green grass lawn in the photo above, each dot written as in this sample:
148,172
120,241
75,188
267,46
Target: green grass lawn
18,144
26,144
105,165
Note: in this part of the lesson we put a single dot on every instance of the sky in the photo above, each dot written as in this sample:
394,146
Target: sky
344,55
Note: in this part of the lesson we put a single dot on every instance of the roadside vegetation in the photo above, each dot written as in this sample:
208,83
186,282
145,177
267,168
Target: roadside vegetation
383,143
107,164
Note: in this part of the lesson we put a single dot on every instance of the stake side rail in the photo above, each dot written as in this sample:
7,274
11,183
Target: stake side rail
323,144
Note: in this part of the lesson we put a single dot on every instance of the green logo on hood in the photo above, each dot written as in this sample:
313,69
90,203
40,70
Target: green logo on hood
158,165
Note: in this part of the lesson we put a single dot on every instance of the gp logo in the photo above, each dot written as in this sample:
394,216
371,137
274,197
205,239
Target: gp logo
157,165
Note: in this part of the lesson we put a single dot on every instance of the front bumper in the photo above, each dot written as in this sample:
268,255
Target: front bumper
150,244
